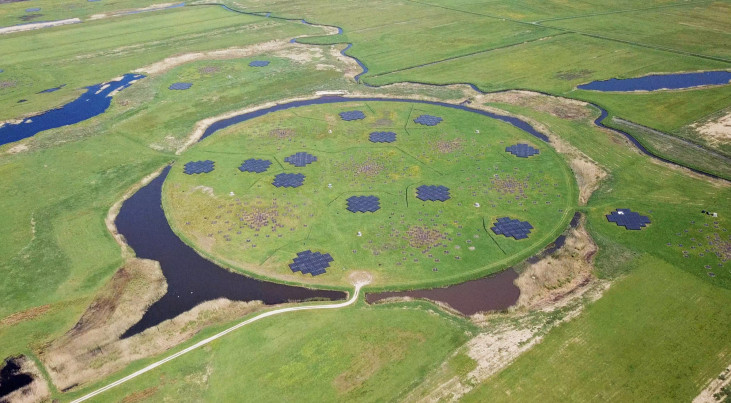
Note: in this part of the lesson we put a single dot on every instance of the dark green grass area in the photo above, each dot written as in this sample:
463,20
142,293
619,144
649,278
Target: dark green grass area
252,225
96,51
657,335
358,353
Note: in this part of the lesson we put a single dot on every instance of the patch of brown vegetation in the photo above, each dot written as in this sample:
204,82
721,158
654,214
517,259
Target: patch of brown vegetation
282,134
423,237
7,84
563,108
120,304
92,350
447,146
368,168
570,75
257,217
209,70
140,395
36,391
28,314
551,279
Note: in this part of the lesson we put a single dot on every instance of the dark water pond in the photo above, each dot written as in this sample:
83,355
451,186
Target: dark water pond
493,293
94,101
660,82
11,379
191,278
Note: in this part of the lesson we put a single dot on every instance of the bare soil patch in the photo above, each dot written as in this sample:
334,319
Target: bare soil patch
716,131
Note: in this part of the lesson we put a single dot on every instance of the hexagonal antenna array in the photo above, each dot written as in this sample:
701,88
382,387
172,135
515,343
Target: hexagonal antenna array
311,262
628,219
255,165
522,150
382,137
285,180
428,120
259,63
352,115
432,193
301,159
199,167
512,228
180,86
363,204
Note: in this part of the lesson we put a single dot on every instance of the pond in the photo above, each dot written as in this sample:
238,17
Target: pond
655,82
93,102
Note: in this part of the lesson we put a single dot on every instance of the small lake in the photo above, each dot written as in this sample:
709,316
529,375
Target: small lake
93,102
676,81
191,279
492,293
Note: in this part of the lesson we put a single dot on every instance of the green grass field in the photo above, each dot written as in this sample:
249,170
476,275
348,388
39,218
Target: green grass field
660,333
359,353
657,335
466,153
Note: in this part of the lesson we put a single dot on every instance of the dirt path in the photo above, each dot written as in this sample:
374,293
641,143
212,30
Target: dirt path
203,342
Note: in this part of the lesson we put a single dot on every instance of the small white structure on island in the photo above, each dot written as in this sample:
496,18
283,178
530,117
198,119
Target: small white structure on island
477,204
359,233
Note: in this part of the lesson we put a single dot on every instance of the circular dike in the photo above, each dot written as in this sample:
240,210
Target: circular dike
311,195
